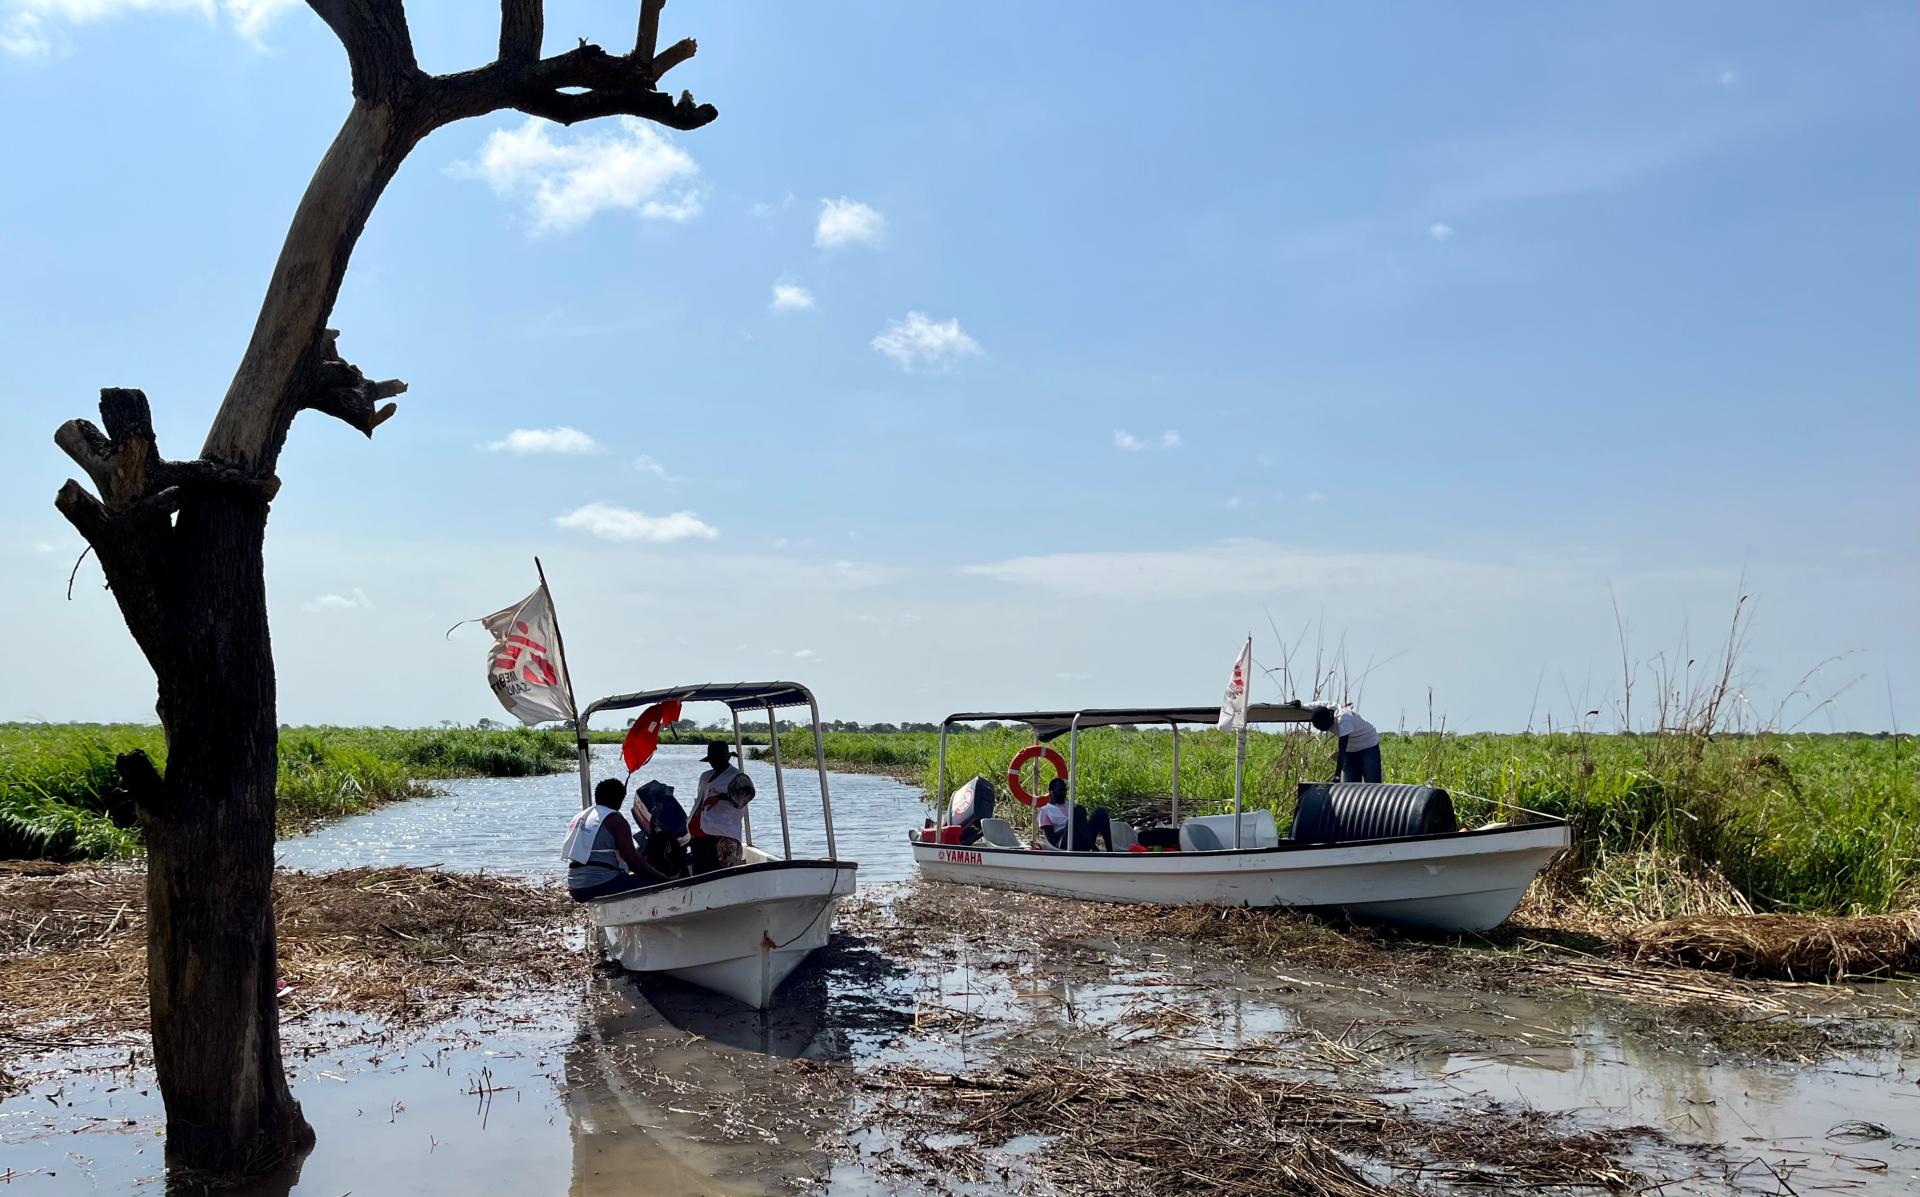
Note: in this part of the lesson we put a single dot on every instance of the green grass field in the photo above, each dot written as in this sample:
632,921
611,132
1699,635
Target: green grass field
1794,822
61,797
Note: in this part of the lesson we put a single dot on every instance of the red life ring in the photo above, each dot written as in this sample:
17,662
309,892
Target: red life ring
1024,756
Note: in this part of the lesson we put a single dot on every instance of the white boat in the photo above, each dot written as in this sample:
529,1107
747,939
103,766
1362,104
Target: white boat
1453,880
738,931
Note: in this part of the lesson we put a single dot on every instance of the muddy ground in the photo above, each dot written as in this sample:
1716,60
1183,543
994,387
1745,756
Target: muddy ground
455,1036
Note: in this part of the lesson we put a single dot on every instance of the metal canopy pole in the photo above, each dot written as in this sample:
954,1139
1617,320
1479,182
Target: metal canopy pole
820,763
941,801
1176,774
1239,778
739,751
1073,773
779,782
586,765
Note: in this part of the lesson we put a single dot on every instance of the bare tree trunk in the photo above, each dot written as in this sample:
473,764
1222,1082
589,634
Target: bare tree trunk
210,932
181,543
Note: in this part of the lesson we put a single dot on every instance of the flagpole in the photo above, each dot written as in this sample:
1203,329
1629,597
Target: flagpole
1240,733
573,704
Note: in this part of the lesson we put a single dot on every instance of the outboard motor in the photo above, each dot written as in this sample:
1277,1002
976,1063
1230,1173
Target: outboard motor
973,802
1339,812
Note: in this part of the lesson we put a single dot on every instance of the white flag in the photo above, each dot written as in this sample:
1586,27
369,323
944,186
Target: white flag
1233,710
524,666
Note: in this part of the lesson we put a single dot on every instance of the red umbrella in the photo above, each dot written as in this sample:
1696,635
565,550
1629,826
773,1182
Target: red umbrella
644,736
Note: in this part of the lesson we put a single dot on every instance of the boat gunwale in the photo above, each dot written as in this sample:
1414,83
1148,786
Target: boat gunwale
1284,847
765,866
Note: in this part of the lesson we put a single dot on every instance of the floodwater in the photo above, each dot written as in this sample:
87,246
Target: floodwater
630,1086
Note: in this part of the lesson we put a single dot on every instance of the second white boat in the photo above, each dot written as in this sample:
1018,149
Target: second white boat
1421,872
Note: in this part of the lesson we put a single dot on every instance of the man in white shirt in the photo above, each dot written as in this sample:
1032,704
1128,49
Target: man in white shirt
1358,757
719,800
1088,831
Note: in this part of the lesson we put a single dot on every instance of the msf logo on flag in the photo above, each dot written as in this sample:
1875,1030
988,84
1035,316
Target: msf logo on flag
528,677
1233,709
538,669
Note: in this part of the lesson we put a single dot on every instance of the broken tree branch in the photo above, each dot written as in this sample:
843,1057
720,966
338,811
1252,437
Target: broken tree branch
346,394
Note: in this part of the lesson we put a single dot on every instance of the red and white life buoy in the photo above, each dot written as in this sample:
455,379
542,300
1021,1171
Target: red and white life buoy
1024,757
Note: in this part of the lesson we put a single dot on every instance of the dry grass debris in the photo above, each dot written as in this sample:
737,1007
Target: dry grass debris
1124,1128
1794,947
400,944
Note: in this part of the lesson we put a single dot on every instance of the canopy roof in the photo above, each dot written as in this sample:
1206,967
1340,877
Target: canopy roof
741,696
1048,725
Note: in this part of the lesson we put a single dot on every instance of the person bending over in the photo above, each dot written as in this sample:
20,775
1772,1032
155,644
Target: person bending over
602,857
1087,828
1358,756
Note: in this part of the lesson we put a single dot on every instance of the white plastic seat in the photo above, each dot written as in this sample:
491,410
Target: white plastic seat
1257,830
999,833
1196,836
1123,836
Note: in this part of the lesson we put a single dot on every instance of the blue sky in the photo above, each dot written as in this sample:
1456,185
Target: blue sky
1010,355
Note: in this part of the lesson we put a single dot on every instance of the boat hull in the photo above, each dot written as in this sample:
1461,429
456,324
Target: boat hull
1463,881
738,932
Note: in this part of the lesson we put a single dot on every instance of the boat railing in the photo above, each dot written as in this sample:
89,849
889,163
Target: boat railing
736,696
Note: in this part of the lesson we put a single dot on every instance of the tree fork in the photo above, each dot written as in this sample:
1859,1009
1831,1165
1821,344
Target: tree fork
182,546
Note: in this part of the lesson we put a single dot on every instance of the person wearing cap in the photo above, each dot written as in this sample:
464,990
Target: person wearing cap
719,803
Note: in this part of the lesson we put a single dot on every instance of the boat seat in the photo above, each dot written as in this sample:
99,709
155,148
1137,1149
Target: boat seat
1196,836
999,833
1257,830
1123,837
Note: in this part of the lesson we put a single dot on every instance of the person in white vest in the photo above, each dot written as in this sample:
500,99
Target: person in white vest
600,850
1358,756
719,804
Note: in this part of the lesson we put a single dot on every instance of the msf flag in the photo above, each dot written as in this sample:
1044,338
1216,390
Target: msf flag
524,666
1233,709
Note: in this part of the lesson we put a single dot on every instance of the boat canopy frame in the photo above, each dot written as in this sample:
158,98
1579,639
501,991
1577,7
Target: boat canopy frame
738,697
1051,725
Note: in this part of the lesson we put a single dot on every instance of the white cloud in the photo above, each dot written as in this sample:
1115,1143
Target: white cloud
803,654
28,29
565,179
24,35
1729,77
355,600
611,522
1263,459
43,547
545,440
766,210
1440,232
791,297
918,340
251,18
845,222
1316,496
1235,503
647,465
1126,442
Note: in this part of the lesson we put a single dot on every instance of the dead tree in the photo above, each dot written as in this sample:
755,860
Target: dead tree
180,544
